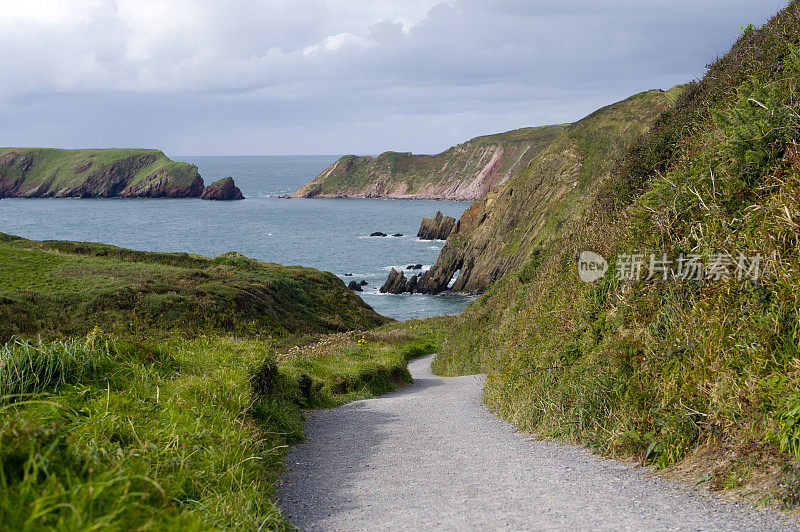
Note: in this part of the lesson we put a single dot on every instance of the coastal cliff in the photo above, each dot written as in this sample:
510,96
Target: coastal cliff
462,173
95,173
500,231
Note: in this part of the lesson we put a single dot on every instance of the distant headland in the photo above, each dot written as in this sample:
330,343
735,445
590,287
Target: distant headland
104,173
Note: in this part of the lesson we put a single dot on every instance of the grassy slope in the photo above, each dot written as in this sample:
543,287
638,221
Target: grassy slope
704,374
500,231
177,415
68,168
459,163
65,287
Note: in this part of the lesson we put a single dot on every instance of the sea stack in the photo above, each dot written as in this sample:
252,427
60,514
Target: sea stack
438,228
395,283
223,190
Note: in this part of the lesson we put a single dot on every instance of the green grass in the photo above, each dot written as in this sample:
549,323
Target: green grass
55,288
657,370
529,210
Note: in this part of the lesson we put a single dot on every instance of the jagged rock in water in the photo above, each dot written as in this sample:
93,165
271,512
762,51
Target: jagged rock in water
438,228
354,286
223,190
411,285
398,234
363,283
395,283
378,233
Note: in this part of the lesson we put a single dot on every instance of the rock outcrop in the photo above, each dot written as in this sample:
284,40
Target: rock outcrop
462,173
355,286
411,285
223,190
437,228
503,230
395,283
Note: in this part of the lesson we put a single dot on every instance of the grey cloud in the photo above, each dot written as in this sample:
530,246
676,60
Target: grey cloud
255,76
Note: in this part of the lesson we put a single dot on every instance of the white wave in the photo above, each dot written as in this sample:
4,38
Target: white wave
360,275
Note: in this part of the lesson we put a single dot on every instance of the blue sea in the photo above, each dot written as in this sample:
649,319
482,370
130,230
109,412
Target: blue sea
328,234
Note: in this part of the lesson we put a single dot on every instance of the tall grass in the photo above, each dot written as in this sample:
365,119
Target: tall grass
31,367
170,432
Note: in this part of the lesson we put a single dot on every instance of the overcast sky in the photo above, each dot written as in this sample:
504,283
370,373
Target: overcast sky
196,77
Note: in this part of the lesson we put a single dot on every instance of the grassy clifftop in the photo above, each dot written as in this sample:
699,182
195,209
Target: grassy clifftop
464,172
64,287
697,375
498,232
48,172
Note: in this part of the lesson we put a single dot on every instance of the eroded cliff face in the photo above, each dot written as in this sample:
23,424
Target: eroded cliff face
461,173
502,230
46,173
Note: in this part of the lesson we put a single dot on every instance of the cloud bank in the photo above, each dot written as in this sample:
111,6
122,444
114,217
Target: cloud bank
337,76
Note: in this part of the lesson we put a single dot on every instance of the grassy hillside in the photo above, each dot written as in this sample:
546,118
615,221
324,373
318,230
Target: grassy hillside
160,390
464,172
62,287
500,231
699,373
48,172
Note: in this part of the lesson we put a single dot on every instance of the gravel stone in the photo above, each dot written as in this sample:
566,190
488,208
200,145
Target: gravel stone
430,456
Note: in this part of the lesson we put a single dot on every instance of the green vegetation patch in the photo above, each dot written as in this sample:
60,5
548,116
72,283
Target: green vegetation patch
66,288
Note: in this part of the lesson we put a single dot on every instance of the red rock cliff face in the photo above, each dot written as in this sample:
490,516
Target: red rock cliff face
462,173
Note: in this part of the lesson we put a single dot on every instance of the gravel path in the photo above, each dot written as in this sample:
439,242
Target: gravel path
430,456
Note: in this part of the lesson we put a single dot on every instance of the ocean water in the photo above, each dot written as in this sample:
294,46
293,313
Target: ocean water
326,234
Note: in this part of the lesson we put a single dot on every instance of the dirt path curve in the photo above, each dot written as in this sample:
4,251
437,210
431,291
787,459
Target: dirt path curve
430,456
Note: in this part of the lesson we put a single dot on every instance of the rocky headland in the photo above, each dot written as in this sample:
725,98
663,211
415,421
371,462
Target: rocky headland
101,173
462,173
